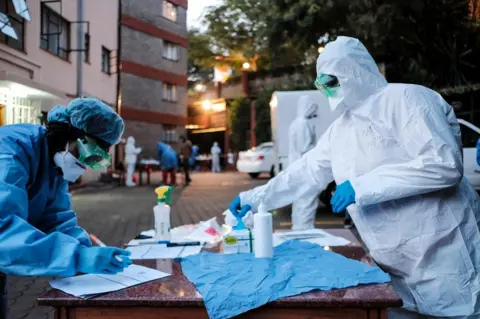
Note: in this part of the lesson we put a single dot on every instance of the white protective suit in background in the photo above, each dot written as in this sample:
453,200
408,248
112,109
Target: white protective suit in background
400,147
131,153
215,151
302,138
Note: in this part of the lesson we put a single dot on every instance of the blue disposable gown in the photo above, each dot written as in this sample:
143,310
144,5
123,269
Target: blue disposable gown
193,158
167,156
39,234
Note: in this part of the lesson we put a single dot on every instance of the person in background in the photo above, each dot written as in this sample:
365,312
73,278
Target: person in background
131,154
302,138
185,154
231,160
168,162
215,152
395,153
192,161
39,234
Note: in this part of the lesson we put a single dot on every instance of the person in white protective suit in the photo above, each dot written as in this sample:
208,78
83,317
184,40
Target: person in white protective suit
215,152
395,153
131,153
302,138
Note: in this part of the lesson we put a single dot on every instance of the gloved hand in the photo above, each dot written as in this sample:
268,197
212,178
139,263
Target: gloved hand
237,209
102,260
343,197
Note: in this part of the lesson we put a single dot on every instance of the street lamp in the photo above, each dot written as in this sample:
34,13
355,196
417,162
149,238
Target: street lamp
207,106
200,87
320,49
246,66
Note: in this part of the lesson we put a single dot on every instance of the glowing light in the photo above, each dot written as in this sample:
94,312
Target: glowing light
207,106
200,87
246,65
320,49
274,101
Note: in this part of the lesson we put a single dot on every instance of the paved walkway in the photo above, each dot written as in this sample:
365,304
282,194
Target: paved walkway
116,215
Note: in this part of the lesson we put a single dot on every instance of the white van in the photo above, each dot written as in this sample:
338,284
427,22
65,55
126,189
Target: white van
283,110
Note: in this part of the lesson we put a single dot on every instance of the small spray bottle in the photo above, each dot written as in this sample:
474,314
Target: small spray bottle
161,213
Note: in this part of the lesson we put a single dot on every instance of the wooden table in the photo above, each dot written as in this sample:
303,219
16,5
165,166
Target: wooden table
174,297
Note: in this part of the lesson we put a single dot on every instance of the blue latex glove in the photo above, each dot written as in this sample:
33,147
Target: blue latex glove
343,197
102,260
237,209
478,151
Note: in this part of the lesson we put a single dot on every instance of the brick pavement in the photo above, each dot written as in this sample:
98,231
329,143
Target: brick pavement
116,215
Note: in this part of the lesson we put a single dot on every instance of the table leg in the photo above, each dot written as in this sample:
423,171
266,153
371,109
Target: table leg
140,177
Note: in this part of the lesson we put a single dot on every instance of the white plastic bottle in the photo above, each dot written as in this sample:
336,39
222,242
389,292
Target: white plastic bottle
161,213
263,233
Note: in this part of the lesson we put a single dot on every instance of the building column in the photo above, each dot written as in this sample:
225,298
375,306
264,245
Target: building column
226,144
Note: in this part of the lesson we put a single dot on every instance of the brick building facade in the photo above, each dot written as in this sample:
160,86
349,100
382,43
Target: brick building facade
153,71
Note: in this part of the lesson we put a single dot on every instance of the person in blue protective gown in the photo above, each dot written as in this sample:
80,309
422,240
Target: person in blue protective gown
168,159
39,234
192,161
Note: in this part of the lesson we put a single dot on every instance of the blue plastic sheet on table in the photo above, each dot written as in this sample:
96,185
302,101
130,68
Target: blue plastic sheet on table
236,283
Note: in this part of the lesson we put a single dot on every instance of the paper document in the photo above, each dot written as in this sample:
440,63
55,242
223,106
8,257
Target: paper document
162,251
314,236
85,286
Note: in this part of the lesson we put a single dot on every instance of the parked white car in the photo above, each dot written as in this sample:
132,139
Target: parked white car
257,160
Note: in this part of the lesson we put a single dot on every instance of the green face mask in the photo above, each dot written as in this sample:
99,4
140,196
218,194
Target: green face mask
91,154
328,84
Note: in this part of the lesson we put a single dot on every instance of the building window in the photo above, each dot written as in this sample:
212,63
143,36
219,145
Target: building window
170,51
17,23
170,134
106,53
86,55
169,92
170,10
55,34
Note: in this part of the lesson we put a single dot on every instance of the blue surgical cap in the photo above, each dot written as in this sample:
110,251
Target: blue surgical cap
91,116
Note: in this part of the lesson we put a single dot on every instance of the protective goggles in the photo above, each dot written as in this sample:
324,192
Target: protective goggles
91,154
328,84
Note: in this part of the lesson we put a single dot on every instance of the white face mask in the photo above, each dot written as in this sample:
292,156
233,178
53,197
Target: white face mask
337,100
72,169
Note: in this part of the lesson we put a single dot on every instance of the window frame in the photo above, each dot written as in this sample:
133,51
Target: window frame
86,43
165,14
9,11
64,27
109,57
169,44
173,97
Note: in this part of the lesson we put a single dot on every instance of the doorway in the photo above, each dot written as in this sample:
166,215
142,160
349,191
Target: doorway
2,115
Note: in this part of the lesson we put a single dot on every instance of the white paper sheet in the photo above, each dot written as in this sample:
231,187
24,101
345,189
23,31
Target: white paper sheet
314,236
87,285
162,251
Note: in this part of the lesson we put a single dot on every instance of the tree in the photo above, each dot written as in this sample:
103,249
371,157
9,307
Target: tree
201,58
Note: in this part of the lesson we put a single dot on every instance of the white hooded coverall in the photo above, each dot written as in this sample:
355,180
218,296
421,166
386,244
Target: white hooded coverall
131,153
215,151
302,139
400,147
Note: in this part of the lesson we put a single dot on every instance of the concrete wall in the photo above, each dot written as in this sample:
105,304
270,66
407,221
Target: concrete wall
142,40
151,11
148,50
